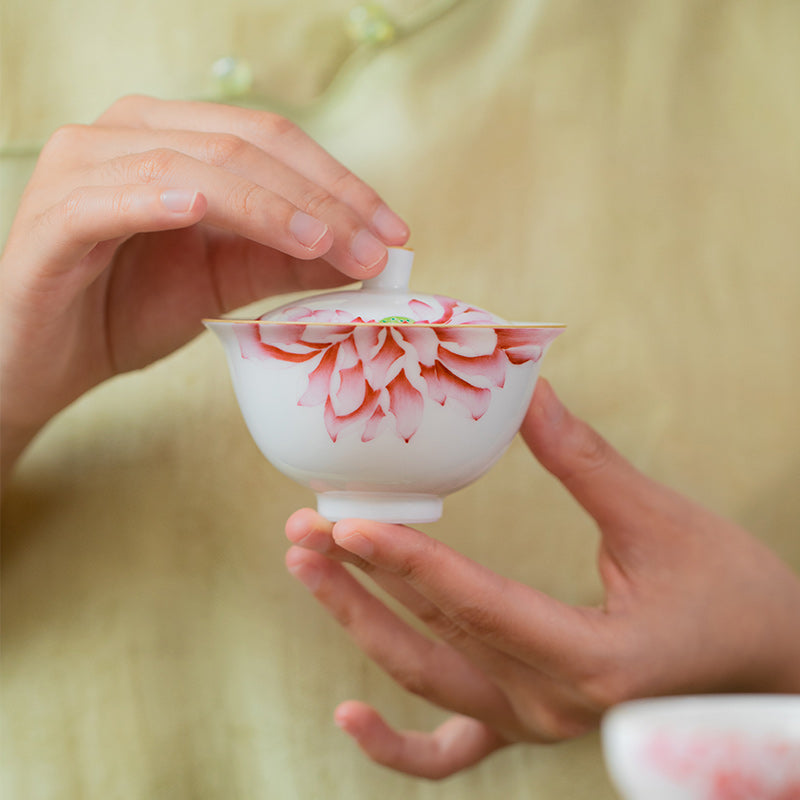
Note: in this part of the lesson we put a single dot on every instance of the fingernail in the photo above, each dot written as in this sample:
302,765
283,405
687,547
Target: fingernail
306,229
366,249
179,201
356,543
389,225
309,576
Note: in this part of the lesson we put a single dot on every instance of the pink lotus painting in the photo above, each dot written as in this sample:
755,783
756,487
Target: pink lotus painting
375,377
729,766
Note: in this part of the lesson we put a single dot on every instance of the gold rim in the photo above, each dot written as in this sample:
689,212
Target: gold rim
385,324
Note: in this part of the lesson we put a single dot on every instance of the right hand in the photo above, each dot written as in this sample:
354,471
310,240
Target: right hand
692,603
134,228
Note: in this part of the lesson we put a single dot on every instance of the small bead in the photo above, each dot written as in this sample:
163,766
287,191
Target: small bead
232,77
369,23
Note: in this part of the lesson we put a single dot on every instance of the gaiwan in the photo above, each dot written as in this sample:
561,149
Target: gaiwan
383,400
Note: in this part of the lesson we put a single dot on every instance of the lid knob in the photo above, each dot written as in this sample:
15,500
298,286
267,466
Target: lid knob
396,274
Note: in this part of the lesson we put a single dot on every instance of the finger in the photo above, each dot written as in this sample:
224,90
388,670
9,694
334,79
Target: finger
272,133
604,483
503,614
309,530
457,744
90,215
354,249
426,668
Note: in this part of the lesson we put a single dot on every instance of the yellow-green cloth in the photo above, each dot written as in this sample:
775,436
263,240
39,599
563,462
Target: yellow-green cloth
628,168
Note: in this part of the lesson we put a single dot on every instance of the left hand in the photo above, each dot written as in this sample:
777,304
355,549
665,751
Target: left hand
692,604
134,228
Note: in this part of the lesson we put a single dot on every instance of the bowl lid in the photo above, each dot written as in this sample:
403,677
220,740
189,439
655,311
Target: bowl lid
384,299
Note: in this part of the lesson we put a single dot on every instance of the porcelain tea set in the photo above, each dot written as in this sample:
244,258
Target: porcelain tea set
380,399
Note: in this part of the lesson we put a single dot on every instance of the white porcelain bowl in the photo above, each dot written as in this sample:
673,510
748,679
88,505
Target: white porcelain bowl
712,747
379,400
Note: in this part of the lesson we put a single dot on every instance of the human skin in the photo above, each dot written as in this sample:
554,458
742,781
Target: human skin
693,603
134,228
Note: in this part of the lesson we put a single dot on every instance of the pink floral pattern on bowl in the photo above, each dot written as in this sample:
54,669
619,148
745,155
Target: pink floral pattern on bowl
365,374
451,312
729,766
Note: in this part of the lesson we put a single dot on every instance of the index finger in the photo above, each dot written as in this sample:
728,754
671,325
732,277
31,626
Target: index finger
277,136
509,616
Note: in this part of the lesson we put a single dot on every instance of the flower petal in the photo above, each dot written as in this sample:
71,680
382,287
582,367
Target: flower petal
407,404
524,355
522,345
251,345
424,342
371,428
471,316
518,337
448,307
491,367
295,313
468,341
351,392
443,385
436,389
327,334
368,340
457,313
421,310
319,380
334,424
328,315
378,368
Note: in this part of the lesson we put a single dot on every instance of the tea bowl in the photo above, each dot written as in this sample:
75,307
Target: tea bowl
380,400
711,747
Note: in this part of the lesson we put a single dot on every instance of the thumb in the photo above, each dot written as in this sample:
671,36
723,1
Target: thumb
604,483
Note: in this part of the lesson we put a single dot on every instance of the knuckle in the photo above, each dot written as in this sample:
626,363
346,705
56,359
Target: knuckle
278,126
153,166
603,690
409,678
127,107
128,104
63,140
441,625
343,614
432,617
476,620
590,451
345,184
71,209
555,724
612,683
417,562
608,677
318,203
244,198
120,201
224,148
411,567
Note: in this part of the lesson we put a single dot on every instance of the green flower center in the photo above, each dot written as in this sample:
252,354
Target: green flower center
395,320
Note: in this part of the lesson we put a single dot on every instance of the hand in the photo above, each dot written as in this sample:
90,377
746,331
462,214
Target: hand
692,604
134,228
